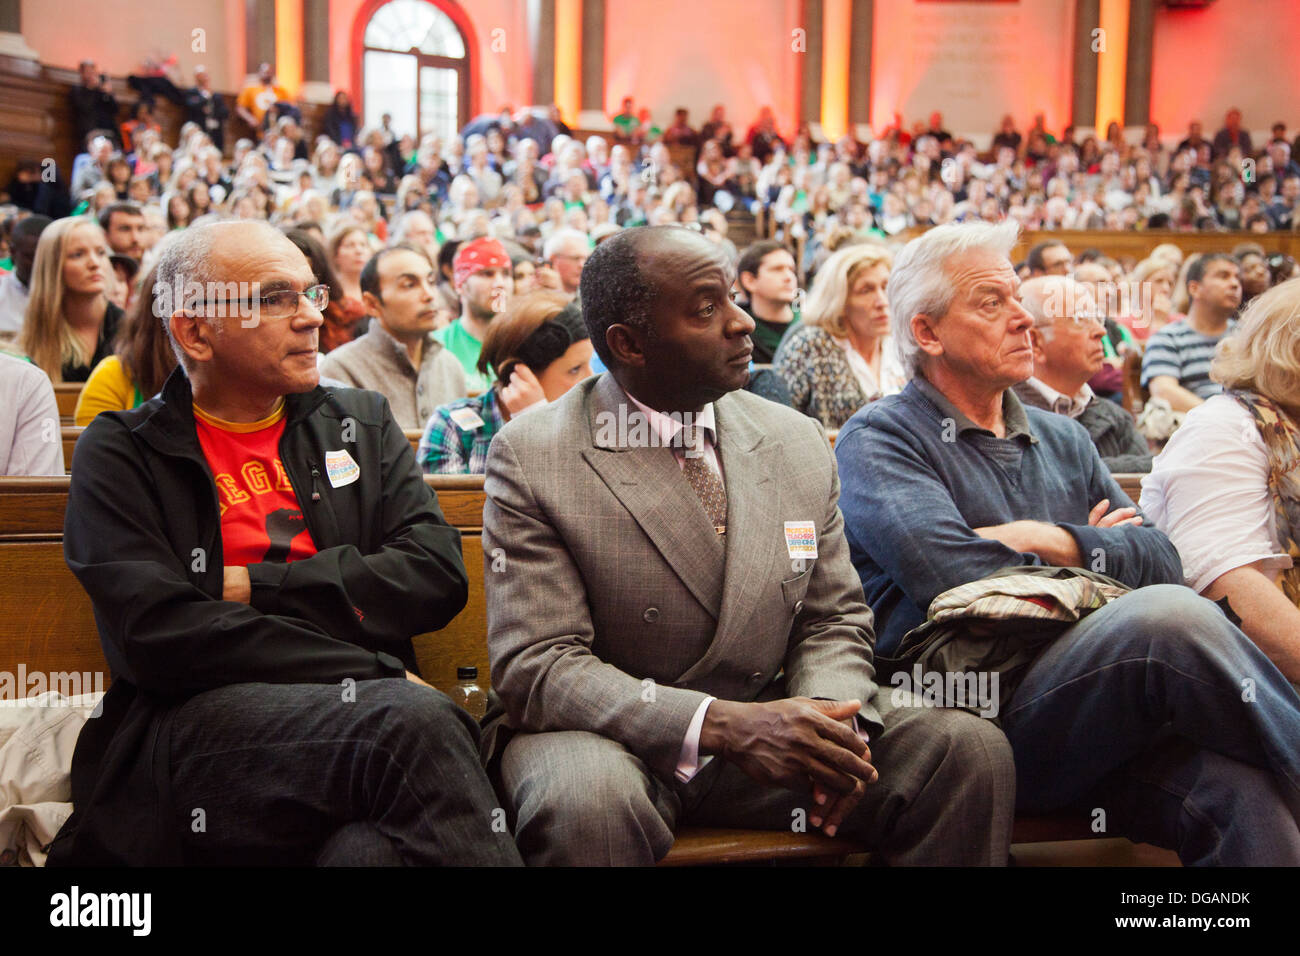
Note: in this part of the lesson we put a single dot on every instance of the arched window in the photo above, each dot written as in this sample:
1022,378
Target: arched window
415,65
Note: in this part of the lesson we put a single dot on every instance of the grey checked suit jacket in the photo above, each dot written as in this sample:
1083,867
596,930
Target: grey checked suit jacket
614,608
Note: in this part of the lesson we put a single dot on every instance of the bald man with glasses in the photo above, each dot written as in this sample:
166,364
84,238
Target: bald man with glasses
259,551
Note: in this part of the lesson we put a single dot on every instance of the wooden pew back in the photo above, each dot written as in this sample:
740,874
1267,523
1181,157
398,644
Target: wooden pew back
49,624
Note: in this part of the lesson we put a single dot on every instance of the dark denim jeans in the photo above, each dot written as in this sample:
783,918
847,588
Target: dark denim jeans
384,773
1158,711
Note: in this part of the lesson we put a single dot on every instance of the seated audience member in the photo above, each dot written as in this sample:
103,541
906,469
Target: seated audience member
70,323
344,316
483,281
256,98
613,726
567,251
141,361
1150,299
953,481
15,286
1118,341
1226,488
30,440
232,613
1176,363
416,226
1255,276
349,252
124,226
839,357
1050,257
206,108
766,275
1067,341
538,350
399,356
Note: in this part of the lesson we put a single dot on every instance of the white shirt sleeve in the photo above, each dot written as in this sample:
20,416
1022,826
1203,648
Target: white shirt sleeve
30,431
689,763
1208,491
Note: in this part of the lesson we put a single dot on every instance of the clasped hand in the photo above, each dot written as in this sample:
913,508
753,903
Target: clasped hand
795,743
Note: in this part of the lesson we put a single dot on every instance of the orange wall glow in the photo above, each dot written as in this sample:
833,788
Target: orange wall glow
568,57
973,62
698,53
288,44
837,22
1207,61
1112,58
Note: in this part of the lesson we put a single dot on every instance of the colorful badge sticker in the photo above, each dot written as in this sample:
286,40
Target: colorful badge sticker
801,539
341,469
466,419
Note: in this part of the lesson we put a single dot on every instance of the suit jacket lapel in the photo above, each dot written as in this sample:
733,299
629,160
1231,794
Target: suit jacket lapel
650,485
752,552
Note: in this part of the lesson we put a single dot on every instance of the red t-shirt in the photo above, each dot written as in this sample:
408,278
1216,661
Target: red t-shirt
261,519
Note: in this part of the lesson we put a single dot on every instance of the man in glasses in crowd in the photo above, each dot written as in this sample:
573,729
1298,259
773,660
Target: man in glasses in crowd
259,551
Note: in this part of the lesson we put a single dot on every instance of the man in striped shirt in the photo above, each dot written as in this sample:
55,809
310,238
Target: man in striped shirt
1176,366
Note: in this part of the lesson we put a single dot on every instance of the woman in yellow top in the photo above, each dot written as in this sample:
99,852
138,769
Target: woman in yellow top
141,361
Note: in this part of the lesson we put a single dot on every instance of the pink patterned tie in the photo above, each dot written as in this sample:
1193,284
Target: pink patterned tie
703,479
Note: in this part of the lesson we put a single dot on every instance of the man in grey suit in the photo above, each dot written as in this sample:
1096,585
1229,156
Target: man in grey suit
676,633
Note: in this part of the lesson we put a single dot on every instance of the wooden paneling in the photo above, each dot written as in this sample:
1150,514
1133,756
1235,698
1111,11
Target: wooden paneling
1139,244
36,119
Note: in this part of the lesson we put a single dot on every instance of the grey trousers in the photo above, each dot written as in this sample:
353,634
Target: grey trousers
945,796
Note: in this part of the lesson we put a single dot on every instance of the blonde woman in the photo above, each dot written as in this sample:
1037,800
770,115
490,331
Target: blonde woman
1226,489
70,323
1150,300
838,358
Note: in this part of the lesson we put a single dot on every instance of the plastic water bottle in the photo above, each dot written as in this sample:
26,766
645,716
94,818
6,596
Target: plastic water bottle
468,694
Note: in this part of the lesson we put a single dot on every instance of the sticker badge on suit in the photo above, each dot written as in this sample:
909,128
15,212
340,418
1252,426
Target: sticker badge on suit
340,468
801,539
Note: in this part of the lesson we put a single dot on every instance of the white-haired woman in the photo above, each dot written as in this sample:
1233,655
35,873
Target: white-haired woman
1226,489
838,359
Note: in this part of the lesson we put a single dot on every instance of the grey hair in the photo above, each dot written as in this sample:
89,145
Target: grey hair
404,223
919,283
556,241
188,259
1047,298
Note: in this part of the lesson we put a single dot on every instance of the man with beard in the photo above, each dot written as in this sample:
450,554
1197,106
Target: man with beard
484,279
399,356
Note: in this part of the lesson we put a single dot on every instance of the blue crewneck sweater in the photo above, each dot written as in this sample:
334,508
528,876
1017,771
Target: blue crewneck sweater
917,476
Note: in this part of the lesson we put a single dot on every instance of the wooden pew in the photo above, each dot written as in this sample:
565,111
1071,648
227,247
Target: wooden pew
50,626
66,395
69,435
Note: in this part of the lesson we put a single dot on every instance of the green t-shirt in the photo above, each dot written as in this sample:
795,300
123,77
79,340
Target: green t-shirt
467,349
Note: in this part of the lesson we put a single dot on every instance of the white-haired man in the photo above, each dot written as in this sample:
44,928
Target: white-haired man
1067,336
1134,704
259,551
567,251
416,227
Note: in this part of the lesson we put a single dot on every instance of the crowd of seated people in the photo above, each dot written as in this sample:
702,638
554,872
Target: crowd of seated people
453,281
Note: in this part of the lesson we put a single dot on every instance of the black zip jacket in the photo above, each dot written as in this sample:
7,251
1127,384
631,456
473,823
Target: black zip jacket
143,536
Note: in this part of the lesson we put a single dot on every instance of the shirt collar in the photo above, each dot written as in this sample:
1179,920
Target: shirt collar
667,427
1014,418
1059,402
